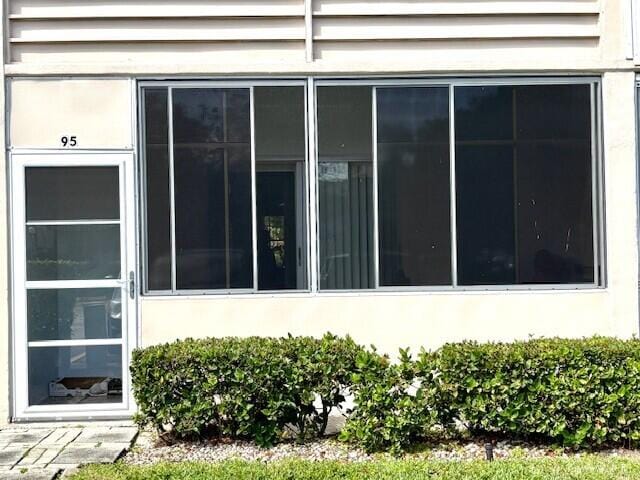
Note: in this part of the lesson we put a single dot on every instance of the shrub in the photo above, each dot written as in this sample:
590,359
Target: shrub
575,392
579,393
392,409
246,388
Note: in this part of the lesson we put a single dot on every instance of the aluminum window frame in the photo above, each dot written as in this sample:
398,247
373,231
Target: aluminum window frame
599,267
249,85
311,197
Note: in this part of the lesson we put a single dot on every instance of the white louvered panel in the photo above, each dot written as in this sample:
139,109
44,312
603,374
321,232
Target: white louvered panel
456,27
156,30
453,7
263,31
218,54
50,9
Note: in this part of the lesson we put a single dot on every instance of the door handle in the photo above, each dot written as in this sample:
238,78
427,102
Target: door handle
132,285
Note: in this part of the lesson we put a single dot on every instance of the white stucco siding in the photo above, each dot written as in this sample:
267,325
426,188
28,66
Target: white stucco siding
387,320
72,65
98,112
391,321
395,321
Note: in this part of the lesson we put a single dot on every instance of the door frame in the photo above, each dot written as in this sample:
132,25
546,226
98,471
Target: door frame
18,161
298,170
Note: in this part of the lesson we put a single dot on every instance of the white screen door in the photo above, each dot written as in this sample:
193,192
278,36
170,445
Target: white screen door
74,286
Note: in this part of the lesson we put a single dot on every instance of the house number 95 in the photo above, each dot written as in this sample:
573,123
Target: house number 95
68,141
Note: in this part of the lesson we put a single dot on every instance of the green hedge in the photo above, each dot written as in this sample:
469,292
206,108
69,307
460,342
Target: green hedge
394,406
247,388
576,393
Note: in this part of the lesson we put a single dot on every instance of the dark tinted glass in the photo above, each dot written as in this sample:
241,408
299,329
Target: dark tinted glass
72,193
157,188
280,187
345,171
74,314
486,217
523,182
73,252
413,186
58,373
493,105
212,168
554,191
278,255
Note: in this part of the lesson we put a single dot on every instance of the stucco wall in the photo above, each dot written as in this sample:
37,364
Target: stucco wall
5,318
388,320
97,112
429,319
43,108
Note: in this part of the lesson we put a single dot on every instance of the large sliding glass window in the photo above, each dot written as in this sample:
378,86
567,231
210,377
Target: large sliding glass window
345,188
225,175
417,185
280,187
524,183
520,160
212,188
413,186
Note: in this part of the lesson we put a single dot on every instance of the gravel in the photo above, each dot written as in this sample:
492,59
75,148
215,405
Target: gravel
148,450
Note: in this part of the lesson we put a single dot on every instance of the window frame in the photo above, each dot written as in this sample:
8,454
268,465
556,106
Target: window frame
311,197
172,85
596,178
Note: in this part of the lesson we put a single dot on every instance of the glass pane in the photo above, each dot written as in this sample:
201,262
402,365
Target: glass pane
74,314
553,112
157,189
555,223
345,172
73,252
72,193
494,105
413,186
280,187
75,375
486,235
524,185
277,252
484,184
212,156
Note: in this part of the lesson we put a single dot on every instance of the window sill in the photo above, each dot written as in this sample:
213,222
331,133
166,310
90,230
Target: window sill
385,292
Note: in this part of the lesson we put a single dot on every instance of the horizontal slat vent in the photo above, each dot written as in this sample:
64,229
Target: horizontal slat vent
157,30
142,9
59,31
458,27
356,8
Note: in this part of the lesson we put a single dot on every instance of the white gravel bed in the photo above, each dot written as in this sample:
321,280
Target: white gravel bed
149,450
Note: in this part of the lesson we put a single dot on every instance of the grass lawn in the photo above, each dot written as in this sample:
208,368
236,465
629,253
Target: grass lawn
585,468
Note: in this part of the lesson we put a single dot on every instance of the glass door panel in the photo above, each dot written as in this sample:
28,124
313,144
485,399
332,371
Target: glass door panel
83,251
75,375
74,314
72,193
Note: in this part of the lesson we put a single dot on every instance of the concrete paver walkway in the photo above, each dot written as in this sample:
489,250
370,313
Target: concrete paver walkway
42,451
